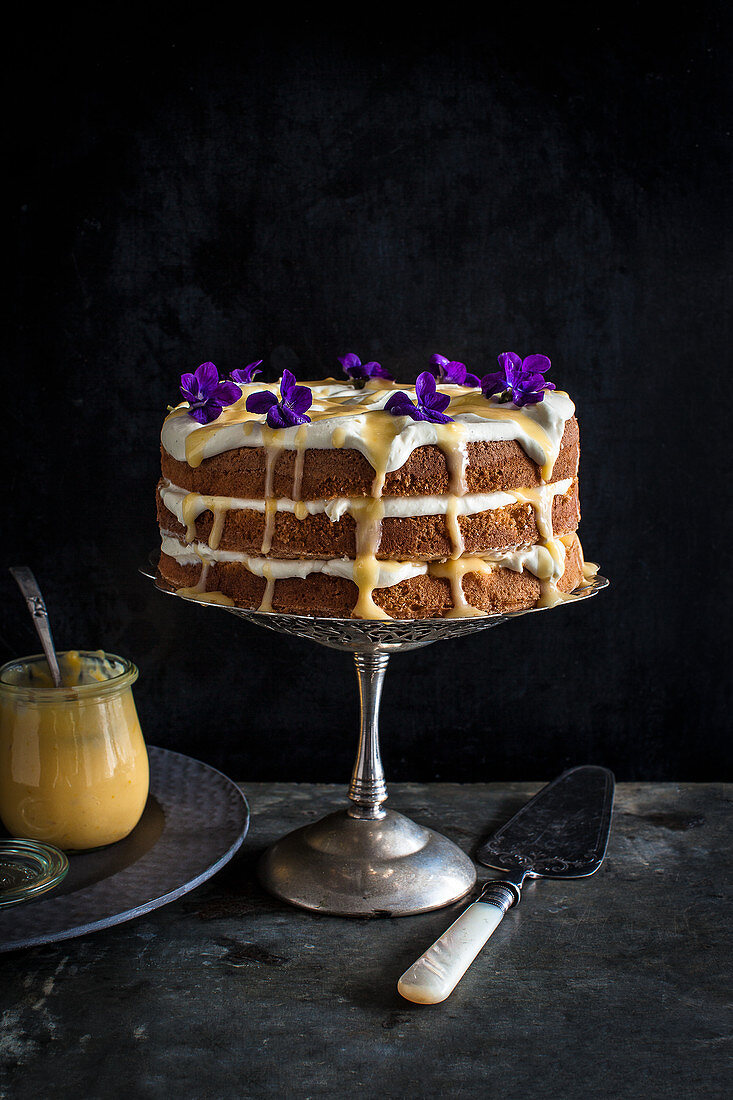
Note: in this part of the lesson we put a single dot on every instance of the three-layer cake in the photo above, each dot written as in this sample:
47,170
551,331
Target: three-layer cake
365,512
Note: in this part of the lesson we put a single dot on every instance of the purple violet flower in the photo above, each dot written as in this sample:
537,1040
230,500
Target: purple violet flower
245,375
430,404
358,372
450,371
289,410
519,380
206,395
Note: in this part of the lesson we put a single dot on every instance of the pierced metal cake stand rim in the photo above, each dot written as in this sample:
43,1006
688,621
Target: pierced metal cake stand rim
373,635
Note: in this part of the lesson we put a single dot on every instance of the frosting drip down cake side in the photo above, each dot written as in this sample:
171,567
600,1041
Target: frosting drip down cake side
384,501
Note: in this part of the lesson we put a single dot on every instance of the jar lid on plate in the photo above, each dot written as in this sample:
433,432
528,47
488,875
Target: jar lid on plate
28,869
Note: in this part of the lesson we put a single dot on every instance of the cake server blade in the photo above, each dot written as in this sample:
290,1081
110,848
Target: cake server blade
561,833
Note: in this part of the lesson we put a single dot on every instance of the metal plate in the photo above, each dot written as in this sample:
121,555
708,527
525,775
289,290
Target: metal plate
194,821
562,832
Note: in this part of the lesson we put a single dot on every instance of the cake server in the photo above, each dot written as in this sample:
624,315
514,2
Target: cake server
561,833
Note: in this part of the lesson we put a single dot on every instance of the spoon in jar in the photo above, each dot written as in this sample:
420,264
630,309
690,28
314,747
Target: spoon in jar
28,585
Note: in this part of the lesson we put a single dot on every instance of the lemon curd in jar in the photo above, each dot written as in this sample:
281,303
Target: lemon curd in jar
73,763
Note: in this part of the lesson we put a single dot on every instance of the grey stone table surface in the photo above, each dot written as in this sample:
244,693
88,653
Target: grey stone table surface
613,986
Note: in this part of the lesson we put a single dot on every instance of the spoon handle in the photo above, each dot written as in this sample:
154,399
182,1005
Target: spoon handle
28,585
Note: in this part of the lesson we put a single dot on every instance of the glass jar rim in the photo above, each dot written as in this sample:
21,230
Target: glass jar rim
127,676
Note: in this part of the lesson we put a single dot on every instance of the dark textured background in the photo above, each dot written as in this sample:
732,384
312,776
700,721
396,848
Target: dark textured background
294,193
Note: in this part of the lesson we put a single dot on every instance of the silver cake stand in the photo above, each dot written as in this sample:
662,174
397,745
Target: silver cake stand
366,861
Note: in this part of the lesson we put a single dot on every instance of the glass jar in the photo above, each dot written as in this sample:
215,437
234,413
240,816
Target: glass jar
73,762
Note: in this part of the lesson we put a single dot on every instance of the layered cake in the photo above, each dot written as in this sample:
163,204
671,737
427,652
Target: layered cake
372,499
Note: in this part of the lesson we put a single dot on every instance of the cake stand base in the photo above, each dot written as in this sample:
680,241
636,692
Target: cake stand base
357,867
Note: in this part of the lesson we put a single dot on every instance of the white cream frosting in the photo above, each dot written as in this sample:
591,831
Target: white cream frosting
404,507
546,563
343,417
389,572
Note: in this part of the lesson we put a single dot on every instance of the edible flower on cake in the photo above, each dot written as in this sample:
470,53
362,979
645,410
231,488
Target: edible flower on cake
358,372
206,394
449,370
245,375
289,410
520,381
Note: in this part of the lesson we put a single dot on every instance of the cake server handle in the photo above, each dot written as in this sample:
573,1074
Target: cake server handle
28,585
439,970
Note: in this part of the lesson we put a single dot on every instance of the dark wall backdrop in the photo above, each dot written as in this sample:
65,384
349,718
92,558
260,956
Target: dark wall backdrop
293,193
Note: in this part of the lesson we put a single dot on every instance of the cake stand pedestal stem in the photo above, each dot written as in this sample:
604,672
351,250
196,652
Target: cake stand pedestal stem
365,861
367,789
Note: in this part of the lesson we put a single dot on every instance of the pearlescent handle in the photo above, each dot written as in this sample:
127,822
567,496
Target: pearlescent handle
437,973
